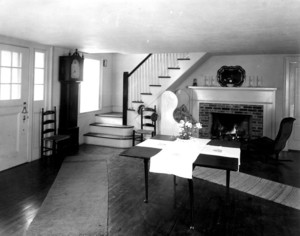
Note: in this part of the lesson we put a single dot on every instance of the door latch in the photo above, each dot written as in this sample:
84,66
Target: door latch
24,111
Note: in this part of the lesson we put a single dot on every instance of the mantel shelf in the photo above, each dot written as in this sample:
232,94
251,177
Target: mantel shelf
232,88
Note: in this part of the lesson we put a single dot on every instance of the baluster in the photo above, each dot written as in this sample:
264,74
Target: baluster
159,64
144,79
165,64
138,85
150,73
129,92
175,60
155,70
147,77
133,88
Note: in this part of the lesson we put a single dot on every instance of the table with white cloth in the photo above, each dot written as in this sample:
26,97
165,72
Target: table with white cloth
177,157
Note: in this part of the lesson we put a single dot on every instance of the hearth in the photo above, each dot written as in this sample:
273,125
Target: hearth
230,126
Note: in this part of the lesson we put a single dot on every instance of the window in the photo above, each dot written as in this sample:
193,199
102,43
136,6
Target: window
90,87
39,76
10,75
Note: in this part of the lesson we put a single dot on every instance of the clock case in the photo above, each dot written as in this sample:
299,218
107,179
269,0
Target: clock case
69,92
65,65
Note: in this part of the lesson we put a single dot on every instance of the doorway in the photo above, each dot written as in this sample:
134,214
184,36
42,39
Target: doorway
14,98
292,99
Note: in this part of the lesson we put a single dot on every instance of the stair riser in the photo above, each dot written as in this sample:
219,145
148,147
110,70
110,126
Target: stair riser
109,120
108,142
111,130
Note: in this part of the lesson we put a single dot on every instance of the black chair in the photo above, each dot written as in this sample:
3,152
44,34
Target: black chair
269,147
49,138
148,124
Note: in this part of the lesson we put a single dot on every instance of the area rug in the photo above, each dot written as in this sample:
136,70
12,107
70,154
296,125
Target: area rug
77,203
259,187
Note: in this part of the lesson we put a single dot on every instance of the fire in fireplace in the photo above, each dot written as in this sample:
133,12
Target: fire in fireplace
230,126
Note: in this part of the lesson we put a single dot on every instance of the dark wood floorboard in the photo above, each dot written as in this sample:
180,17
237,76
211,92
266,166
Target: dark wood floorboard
23,189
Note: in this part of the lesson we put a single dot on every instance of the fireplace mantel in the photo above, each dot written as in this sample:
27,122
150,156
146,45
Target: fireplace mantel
238,95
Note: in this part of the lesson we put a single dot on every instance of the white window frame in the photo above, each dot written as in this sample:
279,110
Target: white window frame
45,75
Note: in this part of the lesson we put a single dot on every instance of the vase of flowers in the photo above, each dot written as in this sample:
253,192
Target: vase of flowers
186,128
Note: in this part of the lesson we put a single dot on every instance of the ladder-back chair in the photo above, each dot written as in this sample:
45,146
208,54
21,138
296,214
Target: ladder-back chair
148,124
49,137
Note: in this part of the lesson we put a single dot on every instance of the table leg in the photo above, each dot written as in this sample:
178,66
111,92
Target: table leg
227,183
146,170
191,190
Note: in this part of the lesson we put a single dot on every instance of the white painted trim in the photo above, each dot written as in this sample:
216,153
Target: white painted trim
226,95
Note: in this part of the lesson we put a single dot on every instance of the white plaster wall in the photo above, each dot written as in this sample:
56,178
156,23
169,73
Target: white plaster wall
57,52
269,67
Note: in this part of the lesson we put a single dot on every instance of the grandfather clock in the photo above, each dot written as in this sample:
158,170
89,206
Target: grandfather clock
70,75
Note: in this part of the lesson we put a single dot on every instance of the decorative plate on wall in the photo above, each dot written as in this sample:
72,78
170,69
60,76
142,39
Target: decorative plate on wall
231,76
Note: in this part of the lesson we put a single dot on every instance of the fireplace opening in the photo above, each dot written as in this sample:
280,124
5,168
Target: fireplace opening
230,126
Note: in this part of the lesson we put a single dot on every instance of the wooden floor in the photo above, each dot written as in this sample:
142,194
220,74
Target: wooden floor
23,188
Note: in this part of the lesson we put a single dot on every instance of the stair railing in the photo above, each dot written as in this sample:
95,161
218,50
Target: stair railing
146,74
126,76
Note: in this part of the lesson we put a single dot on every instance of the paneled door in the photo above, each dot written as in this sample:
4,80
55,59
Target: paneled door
14,116
292,103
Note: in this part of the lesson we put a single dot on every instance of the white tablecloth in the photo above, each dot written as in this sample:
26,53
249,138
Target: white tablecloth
177,157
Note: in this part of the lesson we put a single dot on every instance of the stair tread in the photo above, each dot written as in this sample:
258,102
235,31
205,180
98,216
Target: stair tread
183,59
112,125
110,136
111,114
164,76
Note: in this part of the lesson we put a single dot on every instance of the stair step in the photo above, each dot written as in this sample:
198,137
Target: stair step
183,59
112,126
108,140
146,93
173,68
111,114
114,118
155,85
111,129
108,136
137,102
164,77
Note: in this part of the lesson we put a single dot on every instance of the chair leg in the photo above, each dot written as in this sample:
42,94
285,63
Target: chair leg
133,138
53,149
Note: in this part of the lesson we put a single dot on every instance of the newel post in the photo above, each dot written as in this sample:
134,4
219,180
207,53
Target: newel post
125,96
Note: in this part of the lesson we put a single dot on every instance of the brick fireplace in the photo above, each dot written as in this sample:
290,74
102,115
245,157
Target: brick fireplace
254,112
257,103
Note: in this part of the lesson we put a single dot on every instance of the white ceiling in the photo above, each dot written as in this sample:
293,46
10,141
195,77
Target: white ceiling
144,26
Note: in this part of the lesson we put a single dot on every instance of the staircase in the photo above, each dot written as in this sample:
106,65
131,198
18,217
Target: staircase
146,83
109,131
164,72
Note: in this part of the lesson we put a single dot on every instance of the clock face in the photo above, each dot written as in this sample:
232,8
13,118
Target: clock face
75,69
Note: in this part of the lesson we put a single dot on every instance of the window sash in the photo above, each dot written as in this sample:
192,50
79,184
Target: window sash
10,75
90,87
